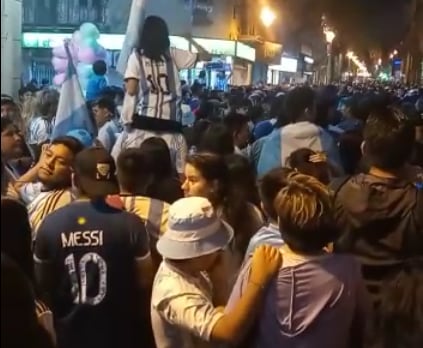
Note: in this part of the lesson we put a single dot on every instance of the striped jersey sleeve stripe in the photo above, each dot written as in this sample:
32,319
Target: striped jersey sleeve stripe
50,204
155,213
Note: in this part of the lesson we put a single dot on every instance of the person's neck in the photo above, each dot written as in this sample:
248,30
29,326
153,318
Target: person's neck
48,188
384,174
285,248
273,223
138,192
182,268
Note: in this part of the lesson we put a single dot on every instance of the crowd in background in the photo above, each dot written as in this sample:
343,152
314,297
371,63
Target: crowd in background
264,217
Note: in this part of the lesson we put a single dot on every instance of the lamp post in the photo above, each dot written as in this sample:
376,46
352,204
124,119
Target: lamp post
267,16
330,36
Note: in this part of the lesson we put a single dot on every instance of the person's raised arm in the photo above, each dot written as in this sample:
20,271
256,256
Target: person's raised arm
132,78
232,325
32,174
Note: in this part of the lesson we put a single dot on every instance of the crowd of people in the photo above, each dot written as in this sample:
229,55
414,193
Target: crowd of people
263,216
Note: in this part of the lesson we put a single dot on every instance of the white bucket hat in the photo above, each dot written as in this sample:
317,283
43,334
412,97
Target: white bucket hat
194,230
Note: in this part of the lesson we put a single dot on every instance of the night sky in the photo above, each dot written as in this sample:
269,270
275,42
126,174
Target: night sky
363,24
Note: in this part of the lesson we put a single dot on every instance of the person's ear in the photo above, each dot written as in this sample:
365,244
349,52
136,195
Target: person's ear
214,186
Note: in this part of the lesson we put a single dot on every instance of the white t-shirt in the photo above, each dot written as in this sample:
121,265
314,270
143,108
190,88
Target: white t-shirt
160,92
182,312
133,138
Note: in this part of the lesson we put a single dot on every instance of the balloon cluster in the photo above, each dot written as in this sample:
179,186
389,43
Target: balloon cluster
84,50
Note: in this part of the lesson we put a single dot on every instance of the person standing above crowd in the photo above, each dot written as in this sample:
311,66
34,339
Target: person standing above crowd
151,100
153,91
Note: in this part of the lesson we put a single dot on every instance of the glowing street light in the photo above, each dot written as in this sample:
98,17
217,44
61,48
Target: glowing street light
330,36
267,16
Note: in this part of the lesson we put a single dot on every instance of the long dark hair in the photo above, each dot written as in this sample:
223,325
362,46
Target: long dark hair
300,160
225,195
154,40
16,235
157,157
19,324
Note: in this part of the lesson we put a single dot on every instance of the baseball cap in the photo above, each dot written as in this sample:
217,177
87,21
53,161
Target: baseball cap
194,230
95,169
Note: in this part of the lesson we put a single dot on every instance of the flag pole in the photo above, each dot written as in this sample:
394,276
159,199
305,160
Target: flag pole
135,22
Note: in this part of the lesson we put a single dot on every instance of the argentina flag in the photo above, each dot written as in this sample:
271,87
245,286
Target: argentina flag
72,112
279,144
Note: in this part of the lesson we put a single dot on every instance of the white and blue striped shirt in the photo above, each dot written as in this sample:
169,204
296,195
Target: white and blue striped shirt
39,130
133,138
160,92
108,134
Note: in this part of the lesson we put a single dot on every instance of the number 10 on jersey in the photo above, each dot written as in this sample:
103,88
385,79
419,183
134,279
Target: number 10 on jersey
79,278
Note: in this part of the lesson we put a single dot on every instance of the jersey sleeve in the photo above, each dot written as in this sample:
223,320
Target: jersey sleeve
133,68
139,238
192,312
42,252
181,153
183,59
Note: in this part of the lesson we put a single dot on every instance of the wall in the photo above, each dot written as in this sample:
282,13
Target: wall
11,31
209,18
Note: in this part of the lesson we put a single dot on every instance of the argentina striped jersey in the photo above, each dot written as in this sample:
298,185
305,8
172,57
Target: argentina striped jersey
160,92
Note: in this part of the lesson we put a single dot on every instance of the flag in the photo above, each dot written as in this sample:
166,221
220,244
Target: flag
135,21
72,112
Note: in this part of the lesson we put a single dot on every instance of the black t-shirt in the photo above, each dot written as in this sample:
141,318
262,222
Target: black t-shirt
92,248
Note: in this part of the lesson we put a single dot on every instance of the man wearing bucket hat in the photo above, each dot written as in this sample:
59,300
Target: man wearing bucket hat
182,310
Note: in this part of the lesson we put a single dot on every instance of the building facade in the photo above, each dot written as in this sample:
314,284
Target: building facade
11,46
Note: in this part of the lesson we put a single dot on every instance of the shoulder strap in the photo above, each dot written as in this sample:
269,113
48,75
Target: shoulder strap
336,184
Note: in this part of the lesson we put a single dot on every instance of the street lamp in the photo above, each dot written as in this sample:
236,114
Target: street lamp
330,36
267,16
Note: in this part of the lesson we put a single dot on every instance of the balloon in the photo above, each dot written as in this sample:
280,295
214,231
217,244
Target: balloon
84,70
59,79
101,53
76,37
86,55
90,42
89,30
59,64
59,52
